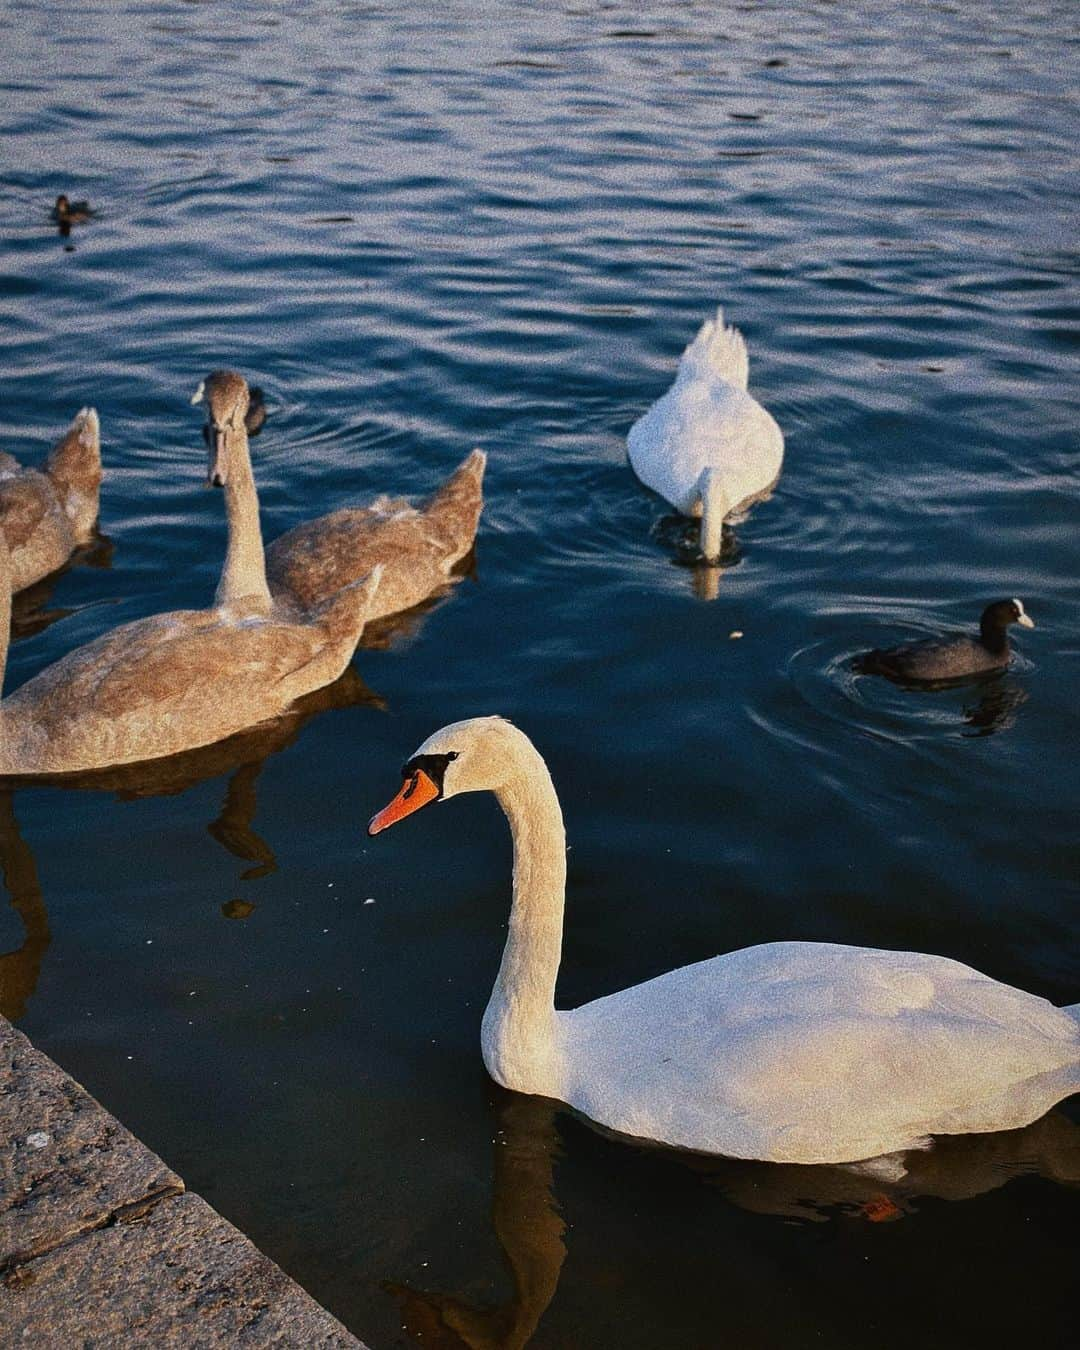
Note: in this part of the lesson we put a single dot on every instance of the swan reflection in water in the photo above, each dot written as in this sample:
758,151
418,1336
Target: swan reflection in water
19,969
241,757
530,1228
679,536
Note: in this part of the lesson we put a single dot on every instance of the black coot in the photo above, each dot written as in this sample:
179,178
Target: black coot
950,658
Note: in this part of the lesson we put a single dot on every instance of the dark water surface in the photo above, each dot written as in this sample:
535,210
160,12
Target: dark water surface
422,228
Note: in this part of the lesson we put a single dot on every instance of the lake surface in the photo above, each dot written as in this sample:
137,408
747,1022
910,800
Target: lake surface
423,228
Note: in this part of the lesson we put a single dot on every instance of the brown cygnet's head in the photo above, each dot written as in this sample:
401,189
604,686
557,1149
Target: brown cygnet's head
227,398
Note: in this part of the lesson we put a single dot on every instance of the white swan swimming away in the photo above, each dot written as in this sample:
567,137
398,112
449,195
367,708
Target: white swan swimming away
707,446
802,1052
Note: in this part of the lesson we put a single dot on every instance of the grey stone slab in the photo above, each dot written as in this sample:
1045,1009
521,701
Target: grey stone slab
177,1277
66,1165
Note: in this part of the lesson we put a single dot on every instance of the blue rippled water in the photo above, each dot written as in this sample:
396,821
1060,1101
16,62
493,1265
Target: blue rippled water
423,228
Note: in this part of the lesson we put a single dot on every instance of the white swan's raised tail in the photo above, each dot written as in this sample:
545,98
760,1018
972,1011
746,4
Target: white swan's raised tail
720,350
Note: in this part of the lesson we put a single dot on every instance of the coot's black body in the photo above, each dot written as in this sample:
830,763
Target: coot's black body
945,659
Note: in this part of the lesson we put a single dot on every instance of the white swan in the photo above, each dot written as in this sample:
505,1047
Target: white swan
790,1052
708,447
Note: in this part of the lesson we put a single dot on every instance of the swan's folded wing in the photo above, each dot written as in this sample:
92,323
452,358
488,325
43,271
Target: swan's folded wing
169,661
173,669
315,560
807,1052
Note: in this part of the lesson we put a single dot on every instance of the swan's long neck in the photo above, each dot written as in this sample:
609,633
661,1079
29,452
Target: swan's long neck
519,1036
243,580
714,507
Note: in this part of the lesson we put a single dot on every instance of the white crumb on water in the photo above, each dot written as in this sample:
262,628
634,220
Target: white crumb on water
370,900
736,633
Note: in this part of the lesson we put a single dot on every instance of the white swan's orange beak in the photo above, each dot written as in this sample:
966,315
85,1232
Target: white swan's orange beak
416,791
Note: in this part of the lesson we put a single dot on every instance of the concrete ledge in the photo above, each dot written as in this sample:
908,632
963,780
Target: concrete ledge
66,1166
100,1244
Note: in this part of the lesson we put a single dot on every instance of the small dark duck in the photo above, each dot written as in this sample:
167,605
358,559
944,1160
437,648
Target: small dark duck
67,213
942,660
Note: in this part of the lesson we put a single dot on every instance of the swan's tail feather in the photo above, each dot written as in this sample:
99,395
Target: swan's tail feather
454,508
75,459
74,466
718,349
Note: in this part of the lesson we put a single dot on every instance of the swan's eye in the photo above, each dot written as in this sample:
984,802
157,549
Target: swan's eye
430,767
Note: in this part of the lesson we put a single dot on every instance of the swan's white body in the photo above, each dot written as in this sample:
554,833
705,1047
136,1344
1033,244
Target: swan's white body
811,1052
707,446
799,1052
